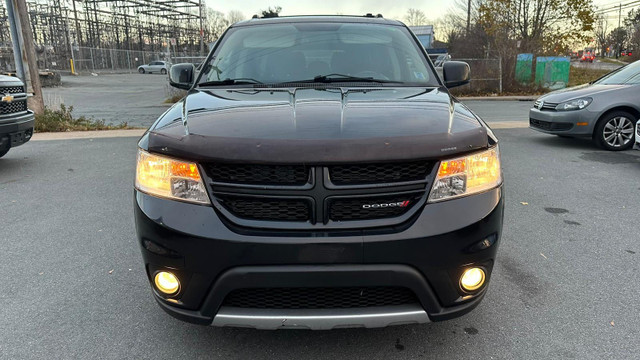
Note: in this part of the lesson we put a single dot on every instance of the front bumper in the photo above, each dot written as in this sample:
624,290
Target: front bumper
426,256
16,130
563,122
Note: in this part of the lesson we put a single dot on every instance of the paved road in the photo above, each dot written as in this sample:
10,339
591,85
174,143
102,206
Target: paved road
565,283
138,99
133,98
600,65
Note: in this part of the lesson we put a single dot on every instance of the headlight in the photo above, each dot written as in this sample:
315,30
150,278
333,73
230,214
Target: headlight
576,104
467,175
170,178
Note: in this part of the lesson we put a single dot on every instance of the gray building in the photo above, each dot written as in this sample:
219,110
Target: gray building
424,34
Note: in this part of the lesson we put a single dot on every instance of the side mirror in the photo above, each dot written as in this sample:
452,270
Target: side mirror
181,76
455,73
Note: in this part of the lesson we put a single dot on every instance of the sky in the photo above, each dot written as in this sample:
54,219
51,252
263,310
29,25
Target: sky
394,9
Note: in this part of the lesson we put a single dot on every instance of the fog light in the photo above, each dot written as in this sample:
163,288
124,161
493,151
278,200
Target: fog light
167,283
472,279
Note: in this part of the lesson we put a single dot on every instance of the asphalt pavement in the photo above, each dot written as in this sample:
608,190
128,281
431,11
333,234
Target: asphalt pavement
137,99
565,283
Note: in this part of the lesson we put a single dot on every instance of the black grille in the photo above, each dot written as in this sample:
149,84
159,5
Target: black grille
291,175
547,125
255,208
319,298
546,106
13,107
379,173
370,207
11,90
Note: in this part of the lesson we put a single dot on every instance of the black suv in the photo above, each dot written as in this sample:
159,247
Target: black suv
318,175
16,121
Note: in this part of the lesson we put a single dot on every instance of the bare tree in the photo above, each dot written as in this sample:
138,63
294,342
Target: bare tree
415,17
216,24
234,16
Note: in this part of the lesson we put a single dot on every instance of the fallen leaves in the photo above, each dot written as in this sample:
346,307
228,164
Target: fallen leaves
524,203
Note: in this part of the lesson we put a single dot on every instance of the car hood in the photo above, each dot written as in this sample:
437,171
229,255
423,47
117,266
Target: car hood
11,79
317,126
585,90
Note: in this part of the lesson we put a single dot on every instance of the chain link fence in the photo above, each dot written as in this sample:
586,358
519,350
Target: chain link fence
486,76
97,60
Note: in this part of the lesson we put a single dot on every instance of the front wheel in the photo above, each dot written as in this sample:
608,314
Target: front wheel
163,71
141,71
615,131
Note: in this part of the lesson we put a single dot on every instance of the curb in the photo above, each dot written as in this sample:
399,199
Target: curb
102,134
500,98
88,134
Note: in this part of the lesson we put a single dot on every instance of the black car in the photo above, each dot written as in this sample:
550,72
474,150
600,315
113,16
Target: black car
318,175
16,121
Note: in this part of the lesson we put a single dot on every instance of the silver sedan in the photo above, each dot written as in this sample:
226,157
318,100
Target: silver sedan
605,110
154,67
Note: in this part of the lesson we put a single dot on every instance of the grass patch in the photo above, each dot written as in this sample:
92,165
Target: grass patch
174,99
579,76
62,120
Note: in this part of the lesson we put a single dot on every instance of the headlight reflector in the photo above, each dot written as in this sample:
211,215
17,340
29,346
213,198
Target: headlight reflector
576,104
169,178
467,175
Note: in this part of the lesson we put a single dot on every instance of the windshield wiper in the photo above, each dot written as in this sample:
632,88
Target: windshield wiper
228,81
333,78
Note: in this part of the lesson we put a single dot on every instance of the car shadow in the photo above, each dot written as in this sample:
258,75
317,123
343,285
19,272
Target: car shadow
567,143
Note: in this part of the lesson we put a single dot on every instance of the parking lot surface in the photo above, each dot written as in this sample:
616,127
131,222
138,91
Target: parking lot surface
564,285
139,99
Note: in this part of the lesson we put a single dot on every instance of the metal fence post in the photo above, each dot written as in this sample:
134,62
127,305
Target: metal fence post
500,65
93,66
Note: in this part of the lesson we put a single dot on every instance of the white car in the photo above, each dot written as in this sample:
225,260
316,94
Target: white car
637,146
154,67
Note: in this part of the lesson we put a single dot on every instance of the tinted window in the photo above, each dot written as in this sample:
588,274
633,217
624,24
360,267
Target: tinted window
289,52
629,74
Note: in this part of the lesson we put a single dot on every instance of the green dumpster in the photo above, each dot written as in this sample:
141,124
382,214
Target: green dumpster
524,63
552,72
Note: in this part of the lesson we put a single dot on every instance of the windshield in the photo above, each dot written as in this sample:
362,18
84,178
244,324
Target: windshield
629,74
282,53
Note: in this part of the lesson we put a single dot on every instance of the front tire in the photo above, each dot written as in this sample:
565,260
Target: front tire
141,71
163,71
615,131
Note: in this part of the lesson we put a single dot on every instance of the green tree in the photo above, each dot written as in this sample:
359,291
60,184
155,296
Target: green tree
618,38
271,12
547,26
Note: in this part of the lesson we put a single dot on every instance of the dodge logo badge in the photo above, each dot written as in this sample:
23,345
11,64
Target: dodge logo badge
386,205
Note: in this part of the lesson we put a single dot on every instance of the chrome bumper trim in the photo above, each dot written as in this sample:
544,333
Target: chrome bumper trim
324,319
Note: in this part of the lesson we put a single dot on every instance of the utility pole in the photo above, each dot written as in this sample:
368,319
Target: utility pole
468,16
618,32
201,31
24,53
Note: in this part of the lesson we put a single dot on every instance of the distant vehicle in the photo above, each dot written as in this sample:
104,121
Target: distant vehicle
606,110
154,67
587,57
16,121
